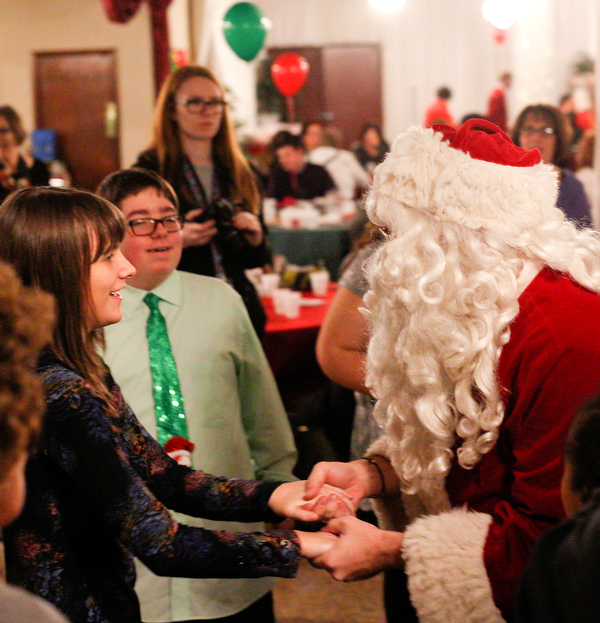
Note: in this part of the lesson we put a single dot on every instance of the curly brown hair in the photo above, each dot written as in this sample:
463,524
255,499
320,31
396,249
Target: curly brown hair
26,323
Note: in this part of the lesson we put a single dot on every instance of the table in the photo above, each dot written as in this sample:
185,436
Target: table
289,344
328,244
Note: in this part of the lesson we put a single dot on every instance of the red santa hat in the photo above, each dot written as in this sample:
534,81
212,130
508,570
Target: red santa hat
475,176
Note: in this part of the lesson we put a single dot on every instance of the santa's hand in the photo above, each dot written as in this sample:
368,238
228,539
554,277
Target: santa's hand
361,550
313,544
352,478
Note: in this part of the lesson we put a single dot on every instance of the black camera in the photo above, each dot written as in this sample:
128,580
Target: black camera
222,212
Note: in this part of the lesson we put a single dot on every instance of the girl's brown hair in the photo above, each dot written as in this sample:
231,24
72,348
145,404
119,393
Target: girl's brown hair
52,236
243,189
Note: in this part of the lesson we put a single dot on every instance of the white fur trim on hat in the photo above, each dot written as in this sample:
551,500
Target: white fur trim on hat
425,173
447,579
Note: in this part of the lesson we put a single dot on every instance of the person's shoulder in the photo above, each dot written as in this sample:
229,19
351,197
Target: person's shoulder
206,286
57,374
19,606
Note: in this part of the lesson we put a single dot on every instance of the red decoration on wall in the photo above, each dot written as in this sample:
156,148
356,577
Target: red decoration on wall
122,11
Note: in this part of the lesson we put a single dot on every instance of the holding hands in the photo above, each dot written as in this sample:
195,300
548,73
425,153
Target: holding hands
348,548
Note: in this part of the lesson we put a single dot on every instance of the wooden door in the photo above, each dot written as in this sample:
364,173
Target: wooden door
76,95
343,87
352,87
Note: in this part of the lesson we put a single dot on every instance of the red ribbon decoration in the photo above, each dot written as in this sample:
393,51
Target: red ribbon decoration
121,11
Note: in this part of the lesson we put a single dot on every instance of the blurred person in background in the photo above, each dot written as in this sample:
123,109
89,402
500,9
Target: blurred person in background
294,177
371,148
544,127
497,111
18,168
587,174
438,111
323,145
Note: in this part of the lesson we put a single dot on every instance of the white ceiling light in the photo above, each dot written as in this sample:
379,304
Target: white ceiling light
504,13
387,5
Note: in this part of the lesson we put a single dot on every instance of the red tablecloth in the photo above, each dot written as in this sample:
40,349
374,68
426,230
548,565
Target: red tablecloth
289,345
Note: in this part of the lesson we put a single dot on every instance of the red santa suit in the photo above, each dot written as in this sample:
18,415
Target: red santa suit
466,545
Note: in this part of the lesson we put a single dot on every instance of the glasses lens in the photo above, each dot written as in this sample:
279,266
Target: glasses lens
530,130
142,227
172,223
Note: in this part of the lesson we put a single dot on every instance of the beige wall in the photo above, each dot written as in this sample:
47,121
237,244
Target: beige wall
28,26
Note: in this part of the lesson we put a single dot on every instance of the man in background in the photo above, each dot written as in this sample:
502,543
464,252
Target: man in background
497,108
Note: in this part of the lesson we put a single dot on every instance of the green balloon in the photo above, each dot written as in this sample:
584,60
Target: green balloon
245,29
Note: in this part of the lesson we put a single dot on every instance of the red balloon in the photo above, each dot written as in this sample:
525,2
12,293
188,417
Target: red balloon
289,71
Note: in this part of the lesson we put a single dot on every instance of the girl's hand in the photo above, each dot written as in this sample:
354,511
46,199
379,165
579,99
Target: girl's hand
288,501
250,226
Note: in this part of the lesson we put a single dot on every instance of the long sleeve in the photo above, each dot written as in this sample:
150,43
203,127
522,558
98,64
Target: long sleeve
263,415
94,450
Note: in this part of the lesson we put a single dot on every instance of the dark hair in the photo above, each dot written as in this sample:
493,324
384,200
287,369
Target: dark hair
122,184
370,126
52,236
583,448
557,122
287,139
26,318
444,93
14,122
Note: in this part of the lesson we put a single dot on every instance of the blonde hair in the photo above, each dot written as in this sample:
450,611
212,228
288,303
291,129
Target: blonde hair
242,187
442,298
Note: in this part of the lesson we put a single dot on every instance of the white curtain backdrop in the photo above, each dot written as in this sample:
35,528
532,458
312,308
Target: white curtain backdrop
238,76
430,43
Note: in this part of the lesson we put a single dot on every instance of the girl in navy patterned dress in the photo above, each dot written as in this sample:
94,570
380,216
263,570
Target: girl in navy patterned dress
99,485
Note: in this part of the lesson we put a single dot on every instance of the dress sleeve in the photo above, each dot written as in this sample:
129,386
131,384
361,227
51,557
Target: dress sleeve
115,467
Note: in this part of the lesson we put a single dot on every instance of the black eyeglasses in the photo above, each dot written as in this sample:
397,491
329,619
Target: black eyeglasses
530,130
197,105
147,226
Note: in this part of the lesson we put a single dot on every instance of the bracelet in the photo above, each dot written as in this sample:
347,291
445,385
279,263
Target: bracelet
374,463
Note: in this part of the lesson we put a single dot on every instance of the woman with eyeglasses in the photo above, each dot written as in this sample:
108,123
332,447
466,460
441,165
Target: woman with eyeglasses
194,148
18,168
545,127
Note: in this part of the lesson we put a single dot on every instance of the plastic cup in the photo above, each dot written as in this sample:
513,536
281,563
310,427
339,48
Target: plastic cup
268,283
291,304
319,282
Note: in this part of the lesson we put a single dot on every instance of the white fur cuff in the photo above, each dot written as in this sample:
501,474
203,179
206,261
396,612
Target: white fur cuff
447,579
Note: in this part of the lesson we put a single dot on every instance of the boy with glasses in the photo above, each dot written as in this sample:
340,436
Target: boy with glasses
236,422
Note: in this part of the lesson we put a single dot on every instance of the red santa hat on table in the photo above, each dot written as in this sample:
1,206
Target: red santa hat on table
475,176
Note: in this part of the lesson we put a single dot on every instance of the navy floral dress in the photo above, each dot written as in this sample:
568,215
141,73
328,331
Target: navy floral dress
97,492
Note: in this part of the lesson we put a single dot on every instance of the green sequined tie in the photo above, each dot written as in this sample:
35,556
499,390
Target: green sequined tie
168,402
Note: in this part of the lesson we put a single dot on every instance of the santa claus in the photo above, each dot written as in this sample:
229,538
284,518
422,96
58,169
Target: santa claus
485,339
